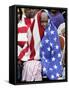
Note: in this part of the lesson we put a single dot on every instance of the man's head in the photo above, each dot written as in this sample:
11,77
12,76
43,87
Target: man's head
19,14
30,13
54,11
44,19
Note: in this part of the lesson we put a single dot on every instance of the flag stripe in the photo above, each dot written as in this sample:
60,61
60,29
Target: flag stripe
36,33
21,43
22,37
32,50
22,29
36,37
22,53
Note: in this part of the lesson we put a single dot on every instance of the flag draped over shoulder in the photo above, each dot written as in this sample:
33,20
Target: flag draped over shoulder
23,46
50,53
37,33
29,37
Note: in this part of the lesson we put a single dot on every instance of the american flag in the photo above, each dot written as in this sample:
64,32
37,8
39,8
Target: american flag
23,47
50,53
29,36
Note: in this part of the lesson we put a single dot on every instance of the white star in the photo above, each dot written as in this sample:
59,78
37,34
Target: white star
60,63
50,44
53,59
49,28
43,53
40,45
57,74
50,25
52,76
55,39
59,55
50,69
55,67
46,40
52,52
46,61
45,33
43,57
52,32
44,69
48,48
57,46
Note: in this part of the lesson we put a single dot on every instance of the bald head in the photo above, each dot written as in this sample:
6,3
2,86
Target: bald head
44,19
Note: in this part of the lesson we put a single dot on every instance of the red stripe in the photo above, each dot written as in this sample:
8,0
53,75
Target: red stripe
32,50
32,43
21,43
28,22
22,53
22,29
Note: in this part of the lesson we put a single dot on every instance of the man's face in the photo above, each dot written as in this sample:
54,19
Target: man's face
30,13
53,12
44,20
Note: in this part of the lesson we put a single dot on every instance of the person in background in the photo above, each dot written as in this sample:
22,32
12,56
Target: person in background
24,22
31,67
19,63
61,33
56,17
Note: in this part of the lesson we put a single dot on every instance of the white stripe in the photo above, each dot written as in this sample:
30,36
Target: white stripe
29,35
29,40
22,37
21,23
26,56
32,20
19,50
36,37
25,46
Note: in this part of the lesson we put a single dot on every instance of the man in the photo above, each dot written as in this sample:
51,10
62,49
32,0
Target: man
31,68
56,17
61,32
24,31
50,51
20,44
24,23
